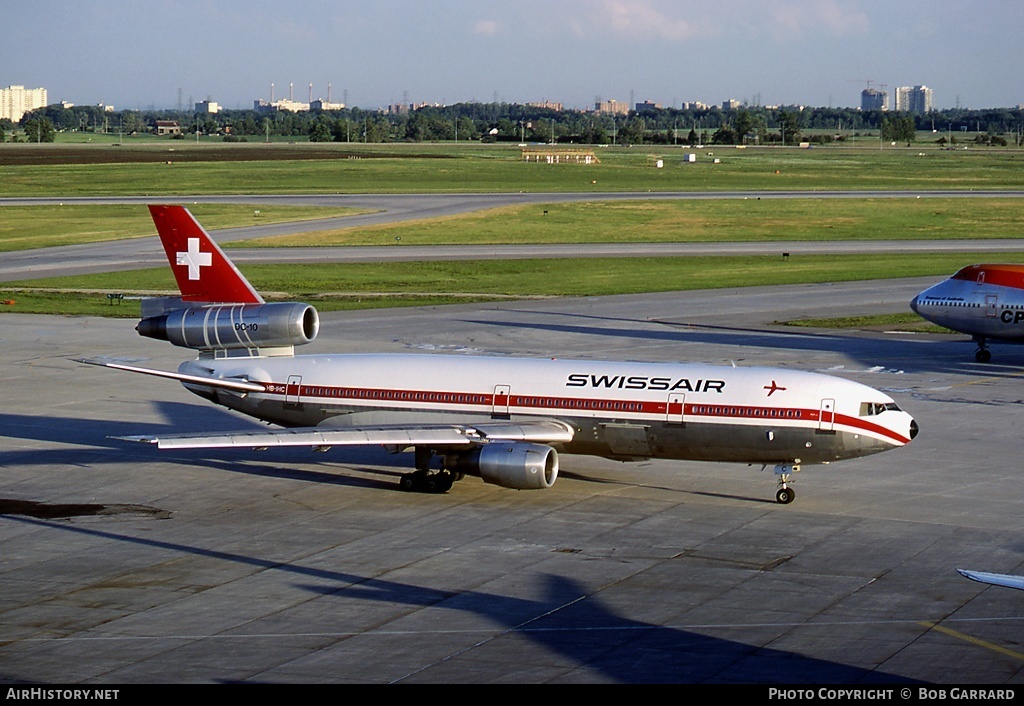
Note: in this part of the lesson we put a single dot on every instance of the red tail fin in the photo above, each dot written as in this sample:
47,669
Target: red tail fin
203,271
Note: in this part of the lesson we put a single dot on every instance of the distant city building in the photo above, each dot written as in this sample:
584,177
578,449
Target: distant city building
547,105
406,108
611,107
917,100
731,104
290,104
15,101
274,106
321,104
873,99
695,105
647,107
208,107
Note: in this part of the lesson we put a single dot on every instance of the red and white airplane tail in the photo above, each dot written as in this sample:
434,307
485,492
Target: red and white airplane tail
219,310
204,273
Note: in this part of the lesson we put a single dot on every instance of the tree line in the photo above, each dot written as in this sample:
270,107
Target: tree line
504,122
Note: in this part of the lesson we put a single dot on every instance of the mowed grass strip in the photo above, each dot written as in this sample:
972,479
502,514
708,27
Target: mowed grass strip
366,285
712,220
500,168
26,227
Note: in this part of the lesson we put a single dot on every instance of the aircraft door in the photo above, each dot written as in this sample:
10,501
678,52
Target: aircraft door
291,390
827,417
991,305
676,405
499,405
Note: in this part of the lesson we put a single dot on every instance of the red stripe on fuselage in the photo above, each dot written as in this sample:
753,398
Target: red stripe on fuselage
597,407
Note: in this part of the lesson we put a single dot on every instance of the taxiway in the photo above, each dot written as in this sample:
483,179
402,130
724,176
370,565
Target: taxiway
123,564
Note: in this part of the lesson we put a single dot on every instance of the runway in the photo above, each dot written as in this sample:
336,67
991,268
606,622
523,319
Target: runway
122,564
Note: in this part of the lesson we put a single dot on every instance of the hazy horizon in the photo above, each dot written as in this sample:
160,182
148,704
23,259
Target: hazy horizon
173,53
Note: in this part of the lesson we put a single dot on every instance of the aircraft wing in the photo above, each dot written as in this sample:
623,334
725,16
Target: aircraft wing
398,436
1008,580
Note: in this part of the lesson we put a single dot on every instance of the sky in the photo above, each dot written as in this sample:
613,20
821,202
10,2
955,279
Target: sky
141,54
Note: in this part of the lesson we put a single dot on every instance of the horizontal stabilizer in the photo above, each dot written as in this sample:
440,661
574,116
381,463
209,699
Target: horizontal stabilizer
234,384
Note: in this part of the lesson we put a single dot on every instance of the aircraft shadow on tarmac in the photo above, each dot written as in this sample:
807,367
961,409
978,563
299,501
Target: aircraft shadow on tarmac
567,621
365,467
954,356
71,434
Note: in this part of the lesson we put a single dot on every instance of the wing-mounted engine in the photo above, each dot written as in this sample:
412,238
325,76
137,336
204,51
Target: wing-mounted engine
231,329
510,464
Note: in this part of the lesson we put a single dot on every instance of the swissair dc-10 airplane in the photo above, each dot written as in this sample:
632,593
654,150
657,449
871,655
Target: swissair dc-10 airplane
503,419
985,301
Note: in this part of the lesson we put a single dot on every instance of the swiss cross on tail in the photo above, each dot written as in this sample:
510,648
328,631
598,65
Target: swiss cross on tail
194,258
204,274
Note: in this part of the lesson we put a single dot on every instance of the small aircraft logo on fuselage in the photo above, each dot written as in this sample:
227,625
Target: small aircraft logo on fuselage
773,388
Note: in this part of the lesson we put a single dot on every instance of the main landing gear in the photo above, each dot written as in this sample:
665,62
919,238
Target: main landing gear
785,495
424,480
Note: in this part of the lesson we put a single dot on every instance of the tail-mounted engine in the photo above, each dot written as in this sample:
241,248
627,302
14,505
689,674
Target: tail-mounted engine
516,465
234,327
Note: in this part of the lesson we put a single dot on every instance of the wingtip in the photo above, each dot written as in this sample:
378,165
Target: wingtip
138,439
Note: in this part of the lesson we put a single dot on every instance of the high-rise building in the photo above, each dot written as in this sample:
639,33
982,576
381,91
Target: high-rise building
917,100
611,107
873,99
15,101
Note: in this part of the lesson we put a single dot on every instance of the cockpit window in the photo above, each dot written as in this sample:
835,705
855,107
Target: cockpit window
870,409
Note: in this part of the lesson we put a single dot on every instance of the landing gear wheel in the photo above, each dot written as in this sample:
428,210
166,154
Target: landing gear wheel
785,495
440,482
426,482
983,355
411,482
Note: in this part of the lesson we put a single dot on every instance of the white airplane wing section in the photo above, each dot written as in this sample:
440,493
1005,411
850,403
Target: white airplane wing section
540,431
1008,580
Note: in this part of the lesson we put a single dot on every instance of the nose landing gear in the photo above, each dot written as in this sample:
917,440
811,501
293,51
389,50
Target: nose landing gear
983,354
785,495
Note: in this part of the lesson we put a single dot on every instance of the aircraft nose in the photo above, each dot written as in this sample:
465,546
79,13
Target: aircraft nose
913,304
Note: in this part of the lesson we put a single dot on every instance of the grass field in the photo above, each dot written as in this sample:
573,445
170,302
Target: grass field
250,169
759,220
733,220
98,170
24,227
333,286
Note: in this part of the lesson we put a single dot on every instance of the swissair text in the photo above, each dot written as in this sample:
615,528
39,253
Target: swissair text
642,382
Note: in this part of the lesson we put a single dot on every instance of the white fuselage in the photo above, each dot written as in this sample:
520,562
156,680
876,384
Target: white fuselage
985,301
617,409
